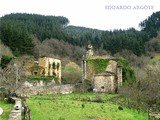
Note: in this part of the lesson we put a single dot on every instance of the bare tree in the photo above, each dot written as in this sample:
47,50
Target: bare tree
154,44
145,92
5,50
13,73
58,49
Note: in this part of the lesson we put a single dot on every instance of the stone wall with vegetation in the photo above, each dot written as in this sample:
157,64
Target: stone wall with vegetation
97,66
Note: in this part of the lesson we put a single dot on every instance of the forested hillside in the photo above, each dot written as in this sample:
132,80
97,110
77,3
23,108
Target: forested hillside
82,36
18,31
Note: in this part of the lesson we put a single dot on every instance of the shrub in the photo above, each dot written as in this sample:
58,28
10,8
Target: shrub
43,72
5,60
83,105
98,99
120,108
46,78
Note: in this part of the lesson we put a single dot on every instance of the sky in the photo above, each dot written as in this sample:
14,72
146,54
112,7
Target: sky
97,14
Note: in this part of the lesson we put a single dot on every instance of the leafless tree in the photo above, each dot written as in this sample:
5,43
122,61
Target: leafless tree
13,73
58,49
145,92
154,44
4,50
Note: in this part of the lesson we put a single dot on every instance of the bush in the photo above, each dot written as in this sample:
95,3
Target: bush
98,99
5,60
83,105
46,78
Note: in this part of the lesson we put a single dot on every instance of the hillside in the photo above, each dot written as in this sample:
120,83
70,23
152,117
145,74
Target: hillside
18,31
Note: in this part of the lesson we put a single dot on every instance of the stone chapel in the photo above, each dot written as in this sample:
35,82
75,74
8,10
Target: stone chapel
109,80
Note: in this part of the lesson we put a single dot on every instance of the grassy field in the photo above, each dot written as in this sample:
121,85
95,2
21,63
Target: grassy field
79,107
7,107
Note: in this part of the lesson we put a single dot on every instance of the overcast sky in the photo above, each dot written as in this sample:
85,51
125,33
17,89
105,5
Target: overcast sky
99,14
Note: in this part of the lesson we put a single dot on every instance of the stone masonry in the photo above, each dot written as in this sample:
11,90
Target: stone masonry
108,81
44,66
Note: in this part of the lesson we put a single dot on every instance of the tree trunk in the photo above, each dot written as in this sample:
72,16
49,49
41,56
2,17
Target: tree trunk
2,95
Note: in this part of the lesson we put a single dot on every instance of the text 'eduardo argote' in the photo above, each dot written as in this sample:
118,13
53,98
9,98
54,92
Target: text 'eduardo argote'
129,7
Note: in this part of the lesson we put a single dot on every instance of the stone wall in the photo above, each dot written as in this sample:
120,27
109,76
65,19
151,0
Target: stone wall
47,63
41,88
108,80
44,66
37,83
104,83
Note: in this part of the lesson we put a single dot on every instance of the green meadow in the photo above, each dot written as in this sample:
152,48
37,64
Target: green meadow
77,106
7,107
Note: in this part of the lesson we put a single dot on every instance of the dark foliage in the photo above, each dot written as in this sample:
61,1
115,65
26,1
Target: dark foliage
119,40
5,60
120,108
151,25
15,35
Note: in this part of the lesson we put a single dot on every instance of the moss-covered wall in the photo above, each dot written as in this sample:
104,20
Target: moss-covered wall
97,66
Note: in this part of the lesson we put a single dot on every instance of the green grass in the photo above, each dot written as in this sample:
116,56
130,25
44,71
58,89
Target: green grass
155,59
7,107
79,107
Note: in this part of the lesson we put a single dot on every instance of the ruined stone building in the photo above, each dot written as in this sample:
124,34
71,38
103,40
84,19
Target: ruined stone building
109,80
44,66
